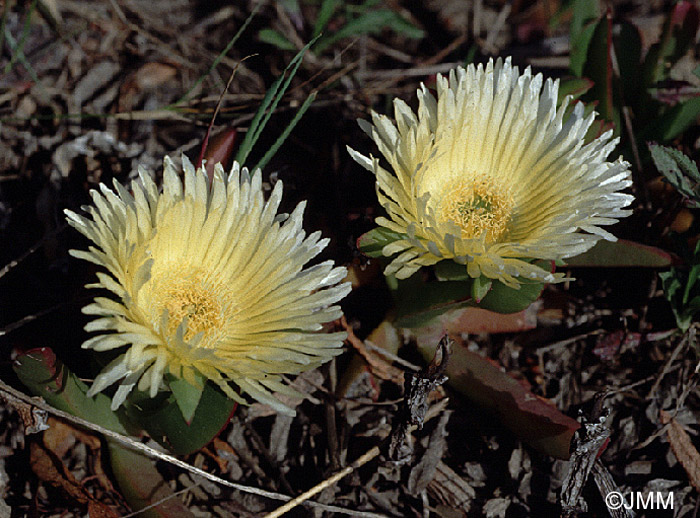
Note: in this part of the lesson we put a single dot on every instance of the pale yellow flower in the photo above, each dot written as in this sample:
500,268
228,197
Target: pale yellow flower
493,175
208,280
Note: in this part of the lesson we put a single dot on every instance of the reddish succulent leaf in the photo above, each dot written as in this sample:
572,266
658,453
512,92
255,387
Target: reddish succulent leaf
532,418
477,320
623,254
218,148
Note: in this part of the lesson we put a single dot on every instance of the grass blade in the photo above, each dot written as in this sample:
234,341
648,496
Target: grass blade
273,149
269,103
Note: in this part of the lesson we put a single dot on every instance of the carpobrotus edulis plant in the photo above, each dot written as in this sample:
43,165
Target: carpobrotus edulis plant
492,175
209,283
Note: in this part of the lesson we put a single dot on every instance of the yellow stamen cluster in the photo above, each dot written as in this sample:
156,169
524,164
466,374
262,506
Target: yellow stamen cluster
203,303
478,207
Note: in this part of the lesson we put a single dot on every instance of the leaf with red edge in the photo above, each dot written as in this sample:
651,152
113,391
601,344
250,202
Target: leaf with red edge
574,86
623,253
598,67
677,36
139,480
585,14
44,375
532,418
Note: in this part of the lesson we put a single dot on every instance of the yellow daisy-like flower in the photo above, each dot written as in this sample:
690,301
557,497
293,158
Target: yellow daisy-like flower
209,281
492,175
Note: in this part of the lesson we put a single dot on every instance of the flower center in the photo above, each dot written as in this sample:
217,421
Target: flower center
196,303
477,207
192,296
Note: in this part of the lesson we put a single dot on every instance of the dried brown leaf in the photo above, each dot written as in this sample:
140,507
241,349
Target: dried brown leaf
377,364
451,490
50,469
683,448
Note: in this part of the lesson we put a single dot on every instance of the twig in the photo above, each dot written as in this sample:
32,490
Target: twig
205,143
417,386
391,356
667,367
13,396
12,264
27,319
606,486
587,444
371,454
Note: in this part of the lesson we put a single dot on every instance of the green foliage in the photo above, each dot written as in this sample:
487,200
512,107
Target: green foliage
504,299
164,419
679,170
419,301
272,37
371,22
44,375
584,17
573,86
680,284
17,47
683,291
361,19
272,98
373,242
186,396
325,13
283,136
594,49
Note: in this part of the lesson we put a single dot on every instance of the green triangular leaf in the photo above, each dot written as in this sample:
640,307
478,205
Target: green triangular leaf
186,395
480,287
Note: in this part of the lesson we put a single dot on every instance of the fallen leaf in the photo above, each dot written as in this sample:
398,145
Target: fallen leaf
532,418
450,489
61,437
683,449
378,365
50,469
152,75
